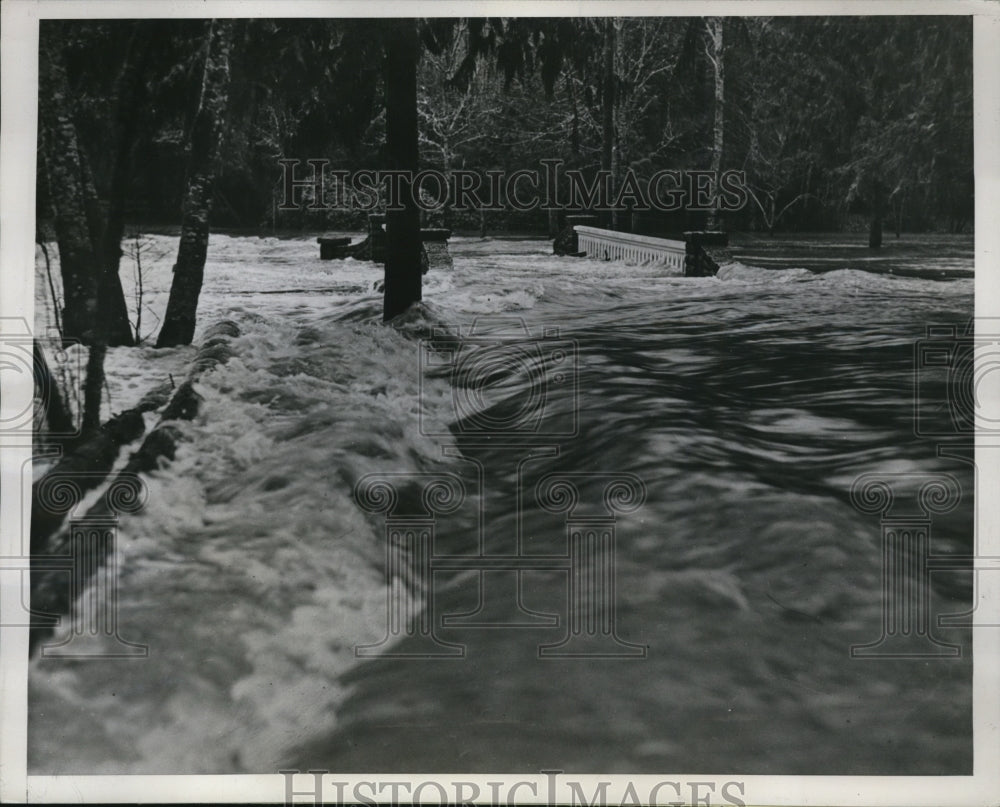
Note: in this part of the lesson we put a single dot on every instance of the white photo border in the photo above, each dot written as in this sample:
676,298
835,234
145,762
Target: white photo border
18,91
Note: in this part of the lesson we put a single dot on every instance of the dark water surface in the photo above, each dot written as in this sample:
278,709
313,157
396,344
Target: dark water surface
745,405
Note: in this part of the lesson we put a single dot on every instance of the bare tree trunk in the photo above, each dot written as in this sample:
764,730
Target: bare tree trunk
93,387
402,262
113,313
716,48
40,240
879,203
446,215
57,414
130,92
91,201
553,222
617,43
94,301
608,101
77,259
206,138
875,233
574,136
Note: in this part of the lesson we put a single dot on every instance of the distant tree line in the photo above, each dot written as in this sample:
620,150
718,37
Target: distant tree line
836,120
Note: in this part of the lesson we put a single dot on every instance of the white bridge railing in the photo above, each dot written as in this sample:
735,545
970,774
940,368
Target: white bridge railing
609,245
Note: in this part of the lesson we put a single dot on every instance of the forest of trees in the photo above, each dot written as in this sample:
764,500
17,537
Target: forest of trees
838,123
830,117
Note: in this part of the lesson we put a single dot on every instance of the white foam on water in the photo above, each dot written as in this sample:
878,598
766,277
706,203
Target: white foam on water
252,573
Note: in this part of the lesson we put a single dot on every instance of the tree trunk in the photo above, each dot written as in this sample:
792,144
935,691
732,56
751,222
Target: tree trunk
77,259
608,103
94,301
875,233
93,387
206,138
446,215
91,202
574,135
402,262
879,204
553,222
111,307
57,414
130,92
716,48
617,66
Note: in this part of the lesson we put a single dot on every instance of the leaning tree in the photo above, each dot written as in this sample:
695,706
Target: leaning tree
88,235
204,149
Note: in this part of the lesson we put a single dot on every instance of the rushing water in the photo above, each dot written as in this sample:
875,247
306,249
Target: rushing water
746,406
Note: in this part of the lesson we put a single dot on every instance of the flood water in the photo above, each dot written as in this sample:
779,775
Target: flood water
738,411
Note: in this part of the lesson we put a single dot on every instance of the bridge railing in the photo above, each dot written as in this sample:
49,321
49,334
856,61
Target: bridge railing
609,245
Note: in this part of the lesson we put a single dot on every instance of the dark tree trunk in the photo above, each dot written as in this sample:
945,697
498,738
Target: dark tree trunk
879,204
77,259
93,387
402,263
94,302
206,137
716,57
130,92
608,102
618,124
113,312
57,414
91,201
553,221
875,233
574,136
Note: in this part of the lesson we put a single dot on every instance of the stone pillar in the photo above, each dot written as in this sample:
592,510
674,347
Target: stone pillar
434,249
376,237
566,242
697,261
331,247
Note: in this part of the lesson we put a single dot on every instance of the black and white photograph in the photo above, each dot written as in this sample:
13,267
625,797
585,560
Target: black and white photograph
564,403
